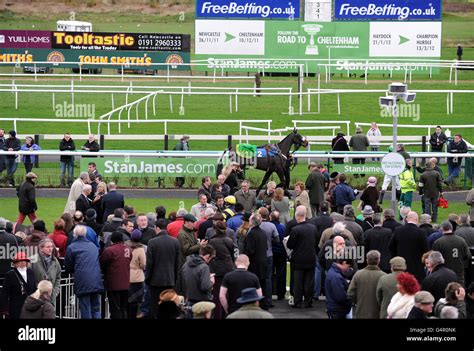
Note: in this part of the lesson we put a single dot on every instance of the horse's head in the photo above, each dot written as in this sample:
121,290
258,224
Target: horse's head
299,140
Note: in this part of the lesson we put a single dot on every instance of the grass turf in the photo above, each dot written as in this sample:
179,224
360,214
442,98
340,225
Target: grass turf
51,208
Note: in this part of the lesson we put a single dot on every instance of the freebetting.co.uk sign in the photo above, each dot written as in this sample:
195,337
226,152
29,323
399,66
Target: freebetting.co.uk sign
403,10
261,9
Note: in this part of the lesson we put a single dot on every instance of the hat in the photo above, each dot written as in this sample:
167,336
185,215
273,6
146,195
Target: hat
372,181
189,218
249,295
358,129
116,237
39,225
246,216
367,211
333,175
203,307
20,256
398,263
170,295
230,199
31,175
136,235
424,297
184,137
91,214
218,217
312,164
12,133
340,133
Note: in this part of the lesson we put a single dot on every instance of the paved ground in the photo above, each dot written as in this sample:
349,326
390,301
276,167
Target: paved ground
283,310
458,196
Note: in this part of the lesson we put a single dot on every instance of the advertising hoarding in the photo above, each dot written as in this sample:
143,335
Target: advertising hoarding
403,10
133,50
261,9
281,46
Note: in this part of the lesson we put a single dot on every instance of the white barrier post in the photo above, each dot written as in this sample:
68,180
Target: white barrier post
72,93
230,103
456,76
54,101
16,95
319,91
181,107
119,119
452,99
171,103
447,103
236,100
240,132
301,75
113,101
338,104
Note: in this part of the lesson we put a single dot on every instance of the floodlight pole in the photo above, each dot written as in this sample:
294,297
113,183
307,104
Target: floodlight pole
394,146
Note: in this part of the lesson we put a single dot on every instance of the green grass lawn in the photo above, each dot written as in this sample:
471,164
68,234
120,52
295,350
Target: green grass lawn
51,209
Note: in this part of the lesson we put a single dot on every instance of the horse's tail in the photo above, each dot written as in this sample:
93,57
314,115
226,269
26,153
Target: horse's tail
220,163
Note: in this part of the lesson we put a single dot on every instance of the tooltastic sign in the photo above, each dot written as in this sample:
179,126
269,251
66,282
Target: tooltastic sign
404,10
281,46
261,9
120,41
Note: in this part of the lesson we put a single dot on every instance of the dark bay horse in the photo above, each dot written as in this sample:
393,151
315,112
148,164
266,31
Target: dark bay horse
269,158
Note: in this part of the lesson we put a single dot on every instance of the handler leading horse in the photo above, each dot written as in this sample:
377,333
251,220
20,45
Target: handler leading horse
269,158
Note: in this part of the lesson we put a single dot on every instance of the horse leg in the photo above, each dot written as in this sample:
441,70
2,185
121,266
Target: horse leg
264,181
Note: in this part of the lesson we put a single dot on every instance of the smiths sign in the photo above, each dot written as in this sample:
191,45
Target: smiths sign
120,41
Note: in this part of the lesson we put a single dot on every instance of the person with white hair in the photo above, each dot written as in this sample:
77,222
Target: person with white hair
339,228
83,202
425,224
303,241
82,260
91,144
75,192
46,267
439,275
449,312
38,305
